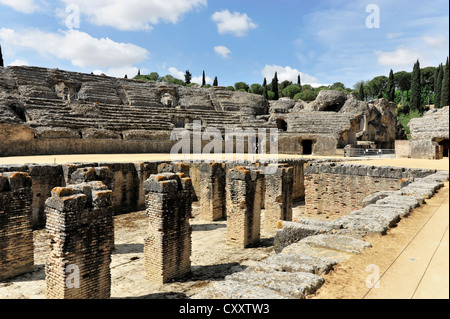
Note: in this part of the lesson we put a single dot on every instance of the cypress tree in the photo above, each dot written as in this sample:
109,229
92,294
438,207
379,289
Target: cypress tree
1,57
187,77
275,86
391,87
445,88
216,82
139,72
265,95
361,94
438,86
416,88
299,82
265,83
204,79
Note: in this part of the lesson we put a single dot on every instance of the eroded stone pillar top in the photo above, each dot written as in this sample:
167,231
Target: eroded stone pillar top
80,196
13,182
167,183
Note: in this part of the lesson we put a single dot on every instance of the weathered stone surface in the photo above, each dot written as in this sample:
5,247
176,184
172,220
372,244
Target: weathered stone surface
297,285
294,263
230,289
337,242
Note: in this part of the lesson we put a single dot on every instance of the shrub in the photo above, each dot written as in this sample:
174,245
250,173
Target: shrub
291,90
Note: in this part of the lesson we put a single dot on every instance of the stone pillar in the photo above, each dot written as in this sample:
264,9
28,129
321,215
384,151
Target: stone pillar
212,192
167,249
16,234
243,206
278,197
81,231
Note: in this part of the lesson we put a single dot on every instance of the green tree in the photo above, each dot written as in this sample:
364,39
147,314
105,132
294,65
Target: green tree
265,83
416,88
241,86
445,84
377,86
154,76
265,95
292,90
230,88
338,86
204,79
403,82
391,87
284,85
257,89
361,94
299,81
275,87
427,78
2,64
438,86
216,82
139,72
187,77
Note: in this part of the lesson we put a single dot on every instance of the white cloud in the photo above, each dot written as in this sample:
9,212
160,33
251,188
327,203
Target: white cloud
19,62
223,51
400,57
135,14
438,42
238,24
80,48
288,74
195,78
24,6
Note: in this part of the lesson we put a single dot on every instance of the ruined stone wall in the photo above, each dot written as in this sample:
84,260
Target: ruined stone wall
243,204
81,231
332,188
212,191
167,249
16,234
278,197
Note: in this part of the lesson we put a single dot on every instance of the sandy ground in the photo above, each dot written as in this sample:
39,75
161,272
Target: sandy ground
411,259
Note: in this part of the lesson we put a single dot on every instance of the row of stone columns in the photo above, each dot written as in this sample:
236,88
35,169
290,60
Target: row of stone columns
81,230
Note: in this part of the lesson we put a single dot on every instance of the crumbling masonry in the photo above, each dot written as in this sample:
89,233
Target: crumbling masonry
167,249
81,231
16,234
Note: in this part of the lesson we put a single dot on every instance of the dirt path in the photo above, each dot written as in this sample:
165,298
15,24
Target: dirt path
412,259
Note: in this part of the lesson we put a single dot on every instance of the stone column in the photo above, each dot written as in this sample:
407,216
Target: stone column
167,249
81,231
16,234
278,197
244,206
212,192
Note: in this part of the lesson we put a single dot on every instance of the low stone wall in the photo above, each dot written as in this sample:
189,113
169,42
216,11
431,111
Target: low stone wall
16,234
332,188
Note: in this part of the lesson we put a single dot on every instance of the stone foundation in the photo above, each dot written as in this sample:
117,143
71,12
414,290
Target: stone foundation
16,234
167,249
81,231
332,188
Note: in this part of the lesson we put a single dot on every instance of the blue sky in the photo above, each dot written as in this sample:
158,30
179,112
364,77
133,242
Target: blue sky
235,40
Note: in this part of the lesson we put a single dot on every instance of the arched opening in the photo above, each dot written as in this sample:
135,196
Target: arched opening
19,112
307,146
333,108
444,144
282,125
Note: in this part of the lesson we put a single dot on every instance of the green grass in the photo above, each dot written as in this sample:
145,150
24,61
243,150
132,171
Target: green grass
405,118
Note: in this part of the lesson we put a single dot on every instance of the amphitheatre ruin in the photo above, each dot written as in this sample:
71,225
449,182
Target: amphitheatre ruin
269,225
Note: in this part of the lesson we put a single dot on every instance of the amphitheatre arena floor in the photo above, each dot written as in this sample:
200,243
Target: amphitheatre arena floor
412,259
